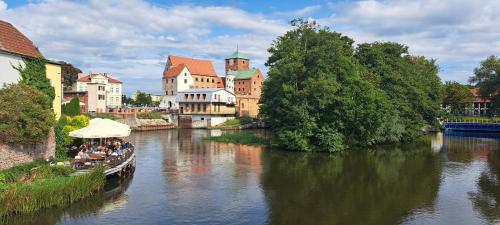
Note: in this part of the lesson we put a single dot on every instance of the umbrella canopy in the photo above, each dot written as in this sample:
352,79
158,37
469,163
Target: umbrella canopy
102,128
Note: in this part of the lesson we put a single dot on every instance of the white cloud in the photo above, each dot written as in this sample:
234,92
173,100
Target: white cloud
3,5
131,39
452,31
301,12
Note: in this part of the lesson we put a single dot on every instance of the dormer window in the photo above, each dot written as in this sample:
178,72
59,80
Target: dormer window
185,74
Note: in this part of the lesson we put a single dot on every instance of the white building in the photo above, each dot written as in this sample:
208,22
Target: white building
96,97
113,87
205,107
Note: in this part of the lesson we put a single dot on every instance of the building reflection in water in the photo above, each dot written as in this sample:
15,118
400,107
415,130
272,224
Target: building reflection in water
225,177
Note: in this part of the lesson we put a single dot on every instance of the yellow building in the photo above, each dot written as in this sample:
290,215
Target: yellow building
14,47
53,71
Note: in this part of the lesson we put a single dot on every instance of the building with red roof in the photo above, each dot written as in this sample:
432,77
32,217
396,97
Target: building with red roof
15,47
112,96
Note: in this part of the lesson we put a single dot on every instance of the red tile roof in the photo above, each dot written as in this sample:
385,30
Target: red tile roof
89,77
13,41
477,97
174,71
195,66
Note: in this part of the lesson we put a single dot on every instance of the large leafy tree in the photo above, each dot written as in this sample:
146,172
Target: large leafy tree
411,83
487,79
69,75
33,73
457,97
316,97
29,119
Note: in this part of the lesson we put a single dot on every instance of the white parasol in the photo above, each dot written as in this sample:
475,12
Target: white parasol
102,128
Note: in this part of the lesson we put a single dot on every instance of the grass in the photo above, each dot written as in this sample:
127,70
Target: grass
246,138
11,175
149,115
29,188
237,122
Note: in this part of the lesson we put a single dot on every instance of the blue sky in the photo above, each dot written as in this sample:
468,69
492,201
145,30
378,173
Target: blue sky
131,39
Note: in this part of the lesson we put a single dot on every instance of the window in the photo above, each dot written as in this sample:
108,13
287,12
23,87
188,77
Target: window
185,81
202,118
172,92
234,60
185,74
185,96
242,105
117,90
101,88
204,96
204,107
198,107
101,97
192,96
112,89
213,80
243,61
197,96
172,80
196,79
254,82
202,80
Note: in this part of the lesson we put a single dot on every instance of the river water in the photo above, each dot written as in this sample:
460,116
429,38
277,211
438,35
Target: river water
181,179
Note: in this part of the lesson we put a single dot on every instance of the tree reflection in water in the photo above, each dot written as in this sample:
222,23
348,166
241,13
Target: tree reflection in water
487,199
358,187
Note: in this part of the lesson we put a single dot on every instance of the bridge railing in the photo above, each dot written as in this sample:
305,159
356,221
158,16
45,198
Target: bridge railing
473,120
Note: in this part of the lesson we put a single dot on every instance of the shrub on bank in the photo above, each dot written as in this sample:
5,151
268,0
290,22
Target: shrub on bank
149,115
246,138
51,187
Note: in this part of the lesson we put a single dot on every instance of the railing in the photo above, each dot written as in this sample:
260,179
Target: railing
108,162
473,120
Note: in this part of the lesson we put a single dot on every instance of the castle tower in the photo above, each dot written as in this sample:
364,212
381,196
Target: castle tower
237,61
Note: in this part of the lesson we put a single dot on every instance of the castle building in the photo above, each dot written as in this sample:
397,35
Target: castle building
246,82
182,74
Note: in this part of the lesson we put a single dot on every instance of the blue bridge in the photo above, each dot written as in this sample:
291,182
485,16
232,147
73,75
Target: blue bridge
471,126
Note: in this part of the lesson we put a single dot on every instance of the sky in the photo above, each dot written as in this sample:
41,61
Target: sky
132,39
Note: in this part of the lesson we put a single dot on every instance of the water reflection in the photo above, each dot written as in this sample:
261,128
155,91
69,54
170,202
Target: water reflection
181,179
362,187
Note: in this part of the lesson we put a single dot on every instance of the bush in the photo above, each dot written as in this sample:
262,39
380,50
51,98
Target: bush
149,115
72,108
246,138
29,119
73,123
56,190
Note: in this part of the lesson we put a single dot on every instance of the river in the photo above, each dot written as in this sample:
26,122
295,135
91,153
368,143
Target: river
181,179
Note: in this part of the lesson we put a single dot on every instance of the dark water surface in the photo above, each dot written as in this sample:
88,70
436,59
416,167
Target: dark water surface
181,179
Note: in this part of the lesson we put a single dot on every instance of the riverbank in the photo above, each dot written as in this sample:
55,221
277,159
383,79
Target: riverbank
27,188
245,138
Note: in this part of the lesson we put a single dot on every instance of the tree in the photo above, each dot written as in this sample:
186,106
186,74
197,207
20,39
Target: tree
29,119
69,74
34,73
487,79
411,83
72,108
127,101
457,96
316,97
143,99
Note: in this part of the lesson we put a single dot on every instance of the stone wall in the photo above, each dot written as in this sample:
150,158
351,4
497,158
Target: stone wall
11,155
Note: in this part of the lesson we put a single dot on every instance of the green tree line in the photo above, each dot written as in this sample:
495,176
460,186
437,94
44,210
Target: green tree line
324,94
